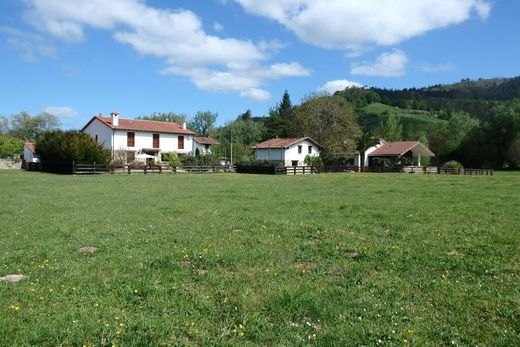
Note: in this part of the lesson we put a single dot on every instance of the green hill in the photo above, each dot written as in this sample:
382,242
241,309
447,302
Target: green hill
413,121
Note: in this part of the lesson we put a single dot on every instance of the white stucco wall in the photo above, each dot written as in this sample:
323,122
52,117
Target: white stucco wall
289,154
117,139
202,148
103,132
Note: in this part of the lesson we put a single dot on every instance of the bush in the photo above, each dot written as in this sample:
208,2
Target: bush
452,164
201,160
173,159
58,150
313,160
10,146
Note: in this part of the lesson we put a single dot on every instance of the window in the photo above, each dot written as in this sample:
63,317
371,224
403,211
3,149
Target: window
300,149
310,149
155,140
130,139
96,139
181,142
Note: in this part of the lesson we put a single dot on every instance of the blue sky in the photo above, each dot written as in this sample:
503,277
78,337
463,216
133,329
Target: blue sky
78,58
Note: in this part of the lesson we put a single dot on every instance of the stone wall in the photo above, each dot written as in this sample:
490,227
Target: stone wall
10,164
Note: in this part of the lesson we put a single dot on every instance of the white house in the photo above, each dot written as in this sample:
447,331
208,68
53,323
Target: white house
29,153
202,145
291,151
140,138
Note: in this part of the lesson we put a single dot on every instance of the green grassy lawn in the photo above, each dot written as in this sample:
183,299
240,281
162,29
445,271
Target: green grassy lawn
331,259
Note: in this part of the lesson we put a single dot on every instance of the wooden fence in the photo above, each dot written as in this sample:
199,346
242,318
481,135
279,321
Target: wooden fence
93,169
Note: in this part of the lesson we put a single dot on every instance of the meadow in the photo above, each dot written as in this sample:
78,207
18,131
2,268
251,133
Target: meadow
228,259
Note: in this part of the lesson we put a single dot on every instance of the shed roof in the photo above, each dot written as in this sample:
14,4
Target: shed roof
206,141
391,149
142,125
283,142
31,146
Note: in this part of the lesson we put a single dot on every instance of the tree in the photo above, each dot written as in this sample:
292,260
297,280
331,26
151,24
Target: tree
30,128
280,118
330,120
10,146
243,134
60,149
502,130
391,128
165,117
4,125
203,122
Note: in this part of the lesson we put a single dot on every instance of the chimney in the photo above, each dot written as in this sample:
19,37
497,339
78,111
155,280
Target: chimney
184,125
115,118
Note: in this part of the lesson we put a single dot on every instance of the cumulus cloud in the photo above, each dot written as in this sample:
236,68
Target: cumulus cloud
388,64
177,37
351,25
61,111
338,85
256,94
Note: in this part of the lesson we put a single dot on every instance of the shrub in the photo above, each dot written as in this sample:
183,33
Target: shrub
261,163
452,164
201,160
60,149
10,146
173,159
313,160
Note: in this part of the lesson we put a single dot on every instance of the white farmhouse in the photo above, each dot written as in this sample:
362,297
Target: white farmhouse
202,145
29,153
140,137
290,151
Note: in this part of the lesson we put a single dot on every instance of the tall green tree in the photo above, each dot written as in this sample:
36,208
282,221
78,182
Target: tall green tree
165,117
391,128
330,120
280,118
30,128
203,122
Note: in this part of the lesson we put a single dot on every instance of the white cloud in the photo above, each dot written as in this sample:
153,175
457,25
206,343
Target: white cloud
338,85
29,46
256,94
61,111
388,64
436,68
351,25
218,27
177,37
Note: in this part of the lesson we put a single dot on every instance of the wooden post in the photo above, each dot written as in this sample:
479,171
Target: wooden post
145,169
73,167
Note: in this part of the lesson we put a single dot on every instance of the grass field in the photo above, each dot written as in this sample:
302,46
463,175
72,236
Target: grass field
331,260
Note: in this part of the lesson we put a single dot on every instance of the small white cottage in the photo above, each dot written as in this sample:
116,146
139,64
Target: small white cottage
29,153
291,151
203,145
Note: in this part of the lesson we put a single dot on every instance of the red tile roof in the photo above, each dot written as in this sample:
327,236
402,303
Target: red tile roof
142,125
389,149
283,142
31,146
206,141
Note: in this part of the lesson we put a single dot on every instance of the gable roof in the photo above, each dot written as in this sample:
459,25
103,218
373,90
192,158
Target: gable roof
142,125
31,146
283,142
206,141
389,149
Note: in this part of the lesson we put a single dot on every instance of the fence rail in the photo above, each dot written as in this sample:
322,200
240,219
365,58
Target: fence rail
94,169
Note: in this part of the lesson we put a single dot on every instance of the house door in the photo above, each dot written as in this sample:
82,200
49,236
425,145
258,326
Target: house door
294,163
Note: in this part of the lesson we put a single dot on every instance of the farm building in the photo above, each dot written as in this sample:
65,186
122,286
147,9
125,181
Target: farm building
290,151
203,145
140,139
29,153
394,152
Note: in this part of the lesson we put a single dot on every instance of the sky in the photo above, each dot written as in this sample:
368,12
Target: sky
79,58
